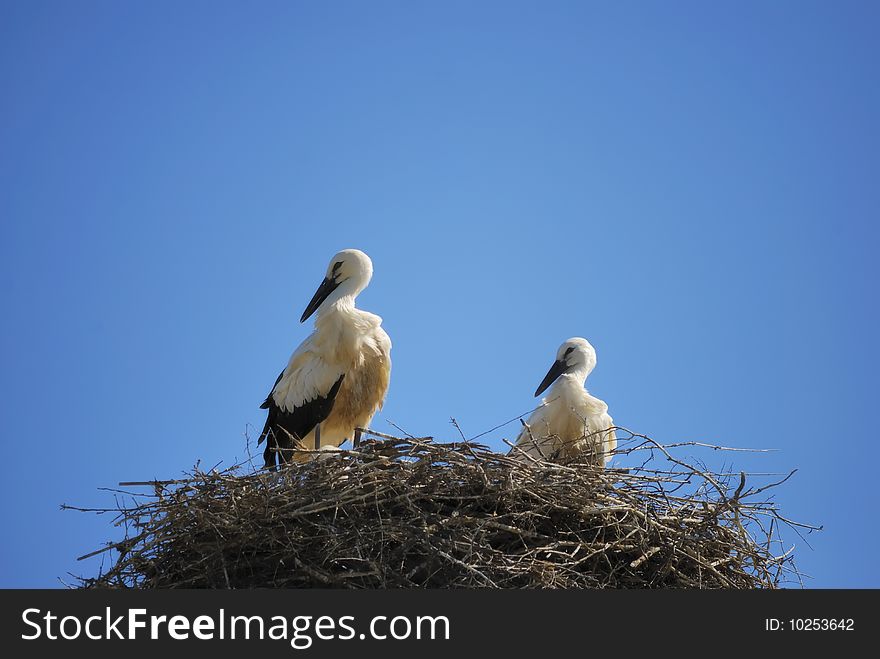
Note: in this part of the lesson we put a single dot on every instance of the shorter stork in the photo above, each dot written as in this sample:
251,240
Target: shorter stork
571,422
336,380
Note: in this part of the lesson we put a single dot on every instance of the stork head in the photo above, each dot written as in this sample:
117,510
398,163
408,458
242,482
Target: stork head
575,357
348,274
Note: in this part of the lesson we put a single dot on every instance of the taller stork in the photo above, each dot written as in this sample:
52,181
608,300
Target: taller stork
336,380
571,422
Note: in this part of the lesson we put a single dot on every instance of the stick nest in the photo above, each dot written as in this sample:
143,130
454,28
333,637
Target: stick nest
411,513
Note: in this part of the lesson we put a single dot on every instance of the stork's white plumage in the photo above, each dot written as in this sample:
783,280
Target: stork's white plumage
571,422
336,380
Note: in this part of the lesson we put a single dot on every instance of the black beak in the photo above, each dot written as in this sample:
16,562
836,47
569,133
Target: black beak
327,286
555,371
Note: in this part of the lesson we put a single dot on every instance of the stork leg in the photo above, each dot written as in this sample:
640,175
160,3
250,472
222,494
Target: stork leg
357,437
318,437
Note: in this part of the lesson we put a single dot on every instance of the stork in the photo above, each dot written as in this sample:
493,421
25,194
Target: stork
571,422
336,380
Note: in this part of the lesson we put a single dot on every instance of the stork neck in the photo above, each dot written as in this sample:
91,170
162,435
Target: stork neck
334,316
339,301
579,374
568,383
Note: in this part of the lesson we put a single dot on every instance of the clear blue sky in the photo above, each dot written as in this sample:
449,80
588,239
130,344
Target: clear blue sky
692,186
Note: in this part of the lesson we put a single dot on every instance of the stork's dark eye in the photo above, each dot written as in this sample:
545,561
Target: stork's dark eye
570,350
336,266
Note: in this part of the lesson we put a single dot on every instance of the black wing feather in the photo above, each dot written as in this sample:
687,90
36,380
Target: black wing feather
298,422
268,401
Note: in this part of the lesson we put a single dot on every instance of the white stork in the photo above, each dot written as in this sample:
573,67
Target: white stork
570,422
336,380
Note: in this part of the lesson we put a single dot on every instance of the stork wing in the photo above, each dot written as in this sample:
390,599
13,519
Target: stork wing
268,401
302,397
532,439
308,375
600,426
284,429
603,427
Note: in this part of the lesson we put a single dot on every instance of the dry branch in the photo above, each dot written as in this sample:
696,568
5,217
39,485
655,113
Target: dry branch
414,513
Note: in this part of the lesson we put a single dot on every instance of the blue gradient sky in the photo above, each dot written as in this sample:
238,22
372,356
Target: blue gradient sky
691,186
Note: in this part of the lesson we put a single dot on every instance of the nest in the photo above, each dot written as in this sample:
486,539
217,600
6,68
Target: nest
412,513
